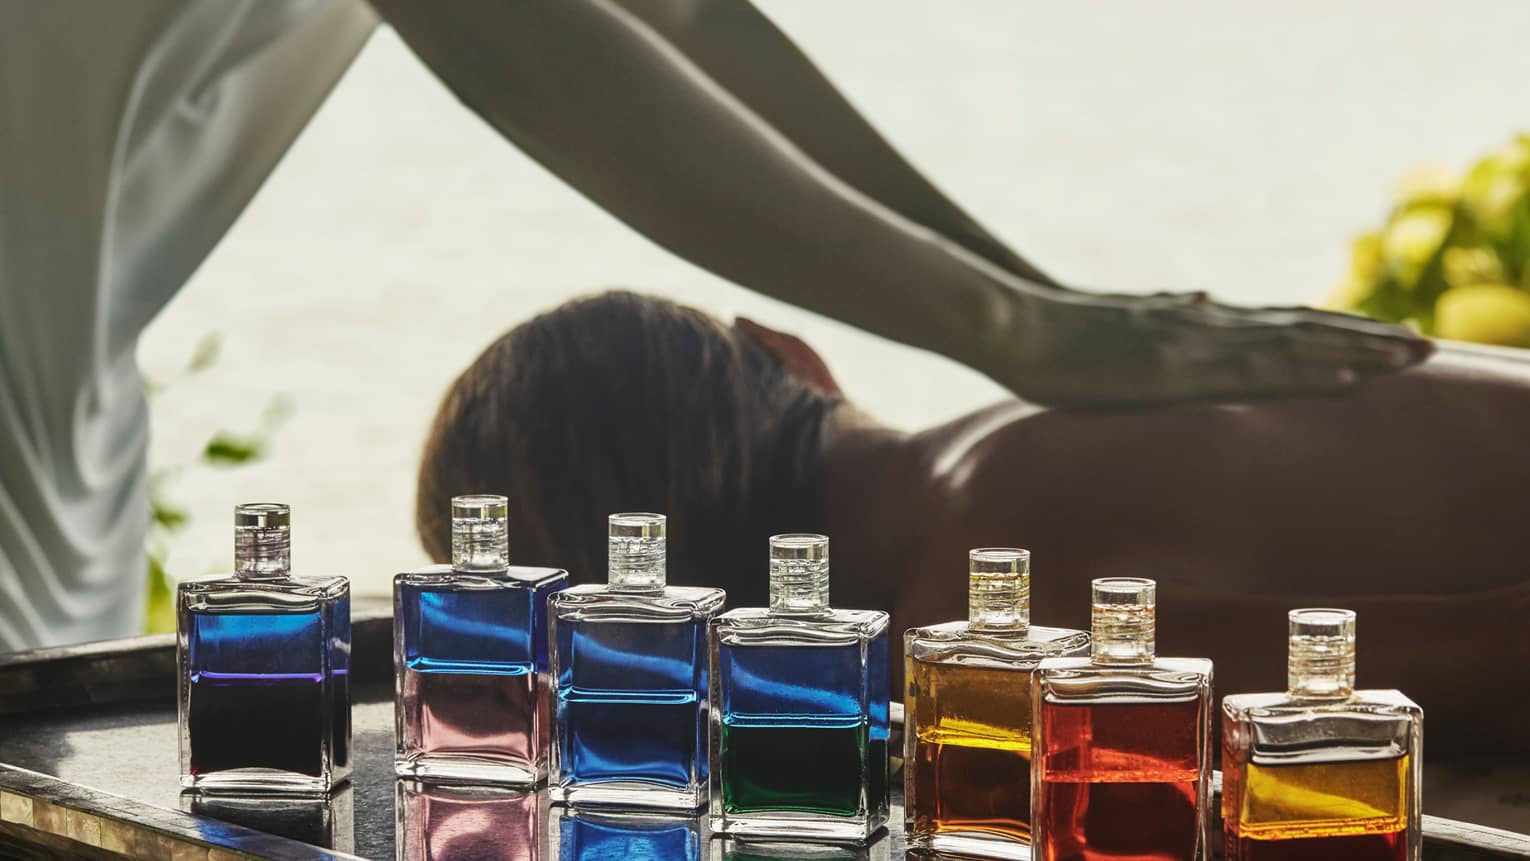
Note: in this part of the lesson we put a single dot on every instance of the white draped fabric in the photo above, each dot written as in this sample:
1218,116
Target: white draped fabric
131,137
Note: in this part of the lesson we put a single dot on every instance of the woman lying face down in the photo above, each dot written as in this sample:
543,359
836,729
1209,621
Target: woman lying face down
1403,501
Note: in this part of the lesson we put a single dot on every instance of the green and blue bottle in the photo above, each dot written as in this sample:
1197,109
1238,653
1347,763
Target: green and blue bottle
799,708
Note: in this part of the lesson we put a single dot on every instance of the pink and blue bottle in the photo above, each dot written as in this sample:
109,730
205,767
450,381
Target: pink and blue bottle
264,656
470,658
630,662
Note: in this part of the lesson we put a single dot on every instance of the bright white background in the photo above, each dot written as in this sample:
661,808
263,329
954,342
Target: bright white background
1126,145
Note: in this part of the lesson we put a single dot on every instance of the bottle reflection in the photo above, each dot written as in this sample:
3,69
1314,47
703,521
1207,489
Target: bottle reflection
467,823
744,849
587,836
323,821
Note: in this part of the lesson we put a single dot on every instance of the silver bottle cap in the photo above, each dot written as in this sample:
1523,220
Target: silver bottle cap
799,574
998,589
1320,661
635,549
480,532
262,541
1123,620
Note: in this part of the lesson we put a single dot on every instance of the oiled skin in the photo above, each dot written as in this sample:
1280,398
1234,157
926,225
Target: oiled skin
1405,501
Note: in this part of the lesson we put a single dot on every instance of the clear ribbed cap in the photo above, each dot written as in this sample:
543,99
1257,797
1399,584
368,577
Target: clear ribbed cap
1320,662
262,541
799,574
998,589
635,551
1122,620
480,532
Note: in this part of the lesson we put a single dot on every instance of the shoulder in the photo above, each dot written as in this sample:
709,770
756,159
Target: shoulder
1028,449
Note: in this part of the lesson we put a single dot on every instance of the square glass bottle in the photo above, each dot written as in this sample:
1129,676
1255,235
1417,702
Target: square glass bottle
470,658
264,660
799,708
459,822
1322,770
1120,766
630,663
967,725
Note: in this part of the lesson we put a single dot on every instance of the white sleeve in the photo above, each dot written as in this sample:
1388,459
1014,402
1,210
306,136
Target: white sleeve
131,137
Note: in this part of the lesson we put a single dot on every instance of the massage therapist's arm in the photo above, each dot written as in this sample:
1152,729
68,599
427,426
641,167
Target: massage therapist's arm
623,115
734,44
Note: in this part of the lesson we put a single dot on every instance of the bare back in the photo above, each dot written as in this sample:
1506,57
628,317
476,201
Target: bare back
1415,484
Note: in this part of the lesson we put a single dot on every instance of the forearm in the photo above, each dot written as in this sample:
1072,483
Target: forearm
623,117
741,49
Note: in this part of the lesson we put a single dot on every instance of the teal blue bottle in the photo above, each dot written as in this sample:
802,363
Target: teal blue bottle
630,664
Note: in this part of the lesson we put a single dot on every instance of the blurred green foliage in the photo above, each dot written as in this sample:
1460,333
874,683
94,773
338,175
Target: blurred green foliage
1453,258
224,449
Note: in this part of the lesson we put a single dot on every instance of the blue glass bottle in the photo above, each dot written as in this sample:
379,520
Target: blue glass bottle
630,662
585,835
264,658
470,658
799,708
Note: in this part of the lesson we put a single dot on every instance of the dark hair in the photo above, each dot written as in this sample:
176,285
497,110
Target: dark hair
622,402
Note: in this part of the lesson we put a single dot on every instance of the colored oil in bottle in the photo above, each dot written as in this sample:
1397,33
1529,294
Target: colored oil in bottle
1353,810
1120,781
777,754
768,761
642,726
971,767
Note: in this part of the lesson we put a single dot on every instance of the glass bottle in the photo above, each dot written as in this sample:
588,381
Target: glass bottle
264,658
1120,766
460,822
470,658
629,659
1322,770
967,731
799,708
608,835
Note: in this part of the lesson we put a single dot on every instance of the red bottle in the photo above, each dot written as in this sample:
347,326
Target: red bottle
1120,765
